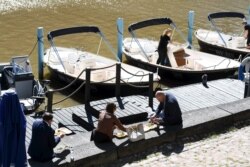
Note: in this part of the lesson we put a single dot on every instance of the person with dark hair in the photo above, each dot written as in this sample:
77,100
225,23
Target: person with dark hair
247,33
162,48
106,124
43,139
168,111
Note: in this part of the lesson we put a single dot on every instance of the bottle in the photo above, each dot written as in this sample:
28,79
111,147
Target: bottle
71,154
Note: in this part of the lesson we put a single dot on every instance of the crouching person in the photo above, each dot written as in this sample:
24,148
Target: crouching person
43,139
168,111
106,124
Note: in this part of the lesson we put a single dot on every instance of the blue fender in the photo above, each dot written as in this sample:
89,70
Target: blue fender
244,66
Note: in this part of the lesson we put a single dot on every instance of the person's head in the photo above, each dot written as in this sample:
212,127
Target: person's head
110,108
160,96
48,117
167,32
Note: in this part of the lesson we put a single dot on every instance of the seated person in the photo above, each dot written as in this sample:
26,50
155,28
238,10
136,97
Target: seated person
168,111
106,124
43,140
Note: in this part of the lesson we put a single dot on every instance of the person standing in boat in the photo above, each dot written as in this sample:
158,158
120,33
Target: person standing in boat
247,32
43,139
106,124
162,47
168,111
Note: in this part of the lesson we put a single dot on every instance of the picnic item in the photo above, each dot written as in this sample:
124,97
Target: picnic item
136,132
62,130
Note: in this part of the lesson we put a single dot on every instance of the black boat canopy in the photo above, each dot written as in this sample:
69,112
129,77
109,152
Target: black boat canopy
150,22
225,14
72,30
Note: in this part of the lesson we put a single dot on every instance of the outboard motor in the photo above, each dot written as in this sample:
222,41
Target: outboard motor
22,77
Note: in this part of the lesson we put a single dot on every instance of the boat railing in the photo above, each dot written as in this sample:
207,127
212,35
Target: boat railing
214,66
87,84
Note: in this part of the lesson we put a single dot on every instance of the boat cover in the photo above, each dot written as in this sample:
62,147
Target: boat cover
150,22
72,30
12,132
225,14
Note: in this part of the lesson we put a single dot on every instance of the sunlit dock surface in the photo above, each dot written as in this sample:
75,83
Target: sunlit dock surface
135,107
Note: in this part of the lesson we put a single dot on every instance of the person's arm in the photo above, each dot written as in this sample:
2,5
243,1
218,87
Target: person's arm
119,124
246,29
245,34
53,140
159,108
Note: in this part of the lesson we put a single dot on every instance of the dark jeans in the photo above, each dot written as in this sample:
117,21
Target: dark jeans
99,137
163,58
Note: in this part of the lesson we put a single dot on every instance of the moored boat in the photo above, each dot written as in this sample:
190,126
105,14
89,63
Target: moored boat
16,76
185,64
227,44
69,64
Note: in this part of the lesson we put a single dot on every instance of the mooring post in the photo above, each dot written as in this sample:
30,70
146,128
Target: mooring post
87,95
247,87
40,52
87,88
190,27
49,95
118,80
119,38
150,96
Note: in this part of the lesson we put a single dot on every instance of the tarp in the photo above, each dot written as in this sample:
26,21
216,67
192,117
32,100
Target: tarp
12,132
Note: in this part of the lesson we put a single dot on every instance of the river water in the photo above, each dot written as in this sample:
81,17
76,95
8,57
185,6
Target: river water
20,19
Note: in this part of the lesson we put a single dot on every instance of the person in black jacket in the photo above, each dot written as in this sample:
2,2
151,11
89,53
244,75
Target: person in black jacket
162,48
247,32
43,140
168,111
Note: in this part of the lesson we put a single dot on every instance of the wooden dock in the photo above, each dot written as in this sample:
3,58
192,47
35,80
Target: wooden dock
135,108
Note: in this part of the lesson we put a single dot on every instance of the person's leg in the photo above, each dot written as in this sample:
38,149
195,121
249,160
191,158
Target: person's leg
100,137
159,58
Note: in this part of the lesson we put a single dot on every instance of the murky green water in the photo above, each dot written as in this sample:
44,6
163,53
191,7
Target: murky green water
19,19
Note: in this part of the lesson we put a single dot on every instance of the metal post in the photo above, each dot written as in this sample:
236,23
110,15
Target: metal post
118,80
87,95
40,52
87,88
119,38
190,26
49,95
247,87
150,96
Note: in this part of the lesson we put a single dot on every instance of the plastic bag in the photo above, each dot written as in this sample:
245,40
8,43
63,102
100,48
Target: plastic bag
136,133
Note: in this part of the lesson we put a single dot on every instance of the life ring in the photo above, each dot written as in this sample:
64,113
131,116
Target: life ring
244,66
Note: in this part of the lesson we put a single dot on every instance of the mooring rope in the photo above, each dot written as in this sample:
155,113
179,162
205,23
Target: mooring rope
70,94
71,83
133,85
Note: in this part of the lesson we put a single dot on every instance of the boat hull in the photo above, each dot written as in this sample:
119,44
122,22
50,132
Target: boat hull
221,51
108,88
178,74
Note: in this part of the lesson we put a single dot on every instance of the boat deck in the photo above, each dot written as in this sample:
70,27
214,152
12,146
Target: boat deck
135,108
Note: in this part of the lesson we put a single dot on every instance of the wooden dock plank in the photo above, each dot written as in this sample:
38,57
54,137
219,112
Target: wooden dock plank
190,97
233,87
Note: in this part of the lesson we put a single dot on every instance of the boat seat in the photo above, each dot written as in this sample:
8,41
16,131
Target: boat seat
180,57
171,56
